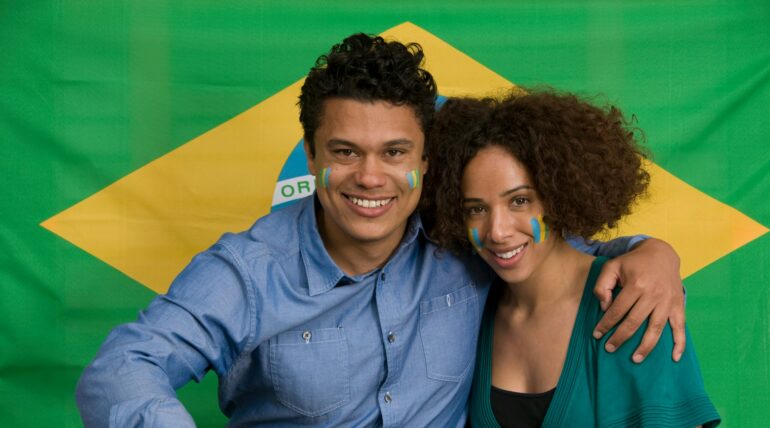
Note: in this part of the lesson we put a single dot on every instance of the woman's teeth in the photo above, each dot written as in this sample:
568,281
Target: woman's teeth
511,253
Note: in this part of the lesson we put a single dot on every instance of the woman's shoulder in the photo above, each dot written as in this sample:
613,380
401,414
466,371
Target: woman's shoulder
657,391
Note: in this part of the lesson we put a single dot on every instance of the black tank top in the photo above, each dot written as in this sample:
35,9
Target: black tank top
519,409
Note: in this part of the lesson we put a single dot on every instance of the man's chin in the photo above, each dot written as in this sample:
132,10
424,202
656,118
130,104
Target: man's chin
368,233
369,237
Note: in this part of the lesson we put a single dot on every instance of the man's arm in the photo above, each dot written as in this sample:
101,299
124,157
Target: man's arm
648,270
201,324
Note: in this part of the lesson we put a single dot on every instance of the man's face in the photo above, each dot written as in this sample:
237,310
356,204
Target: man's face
368,165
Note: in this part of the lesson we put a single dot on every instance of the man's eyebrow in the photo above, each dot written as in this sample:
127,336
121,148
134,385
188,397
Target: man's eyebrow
401,142
340,142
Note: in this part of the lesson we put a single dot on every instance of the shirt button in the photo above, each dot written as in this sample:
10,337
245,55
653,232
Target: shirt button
391,337
388,397
306,336
382,276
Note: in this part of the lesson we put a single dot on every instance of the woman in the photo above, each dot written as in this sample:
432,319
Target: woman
510,179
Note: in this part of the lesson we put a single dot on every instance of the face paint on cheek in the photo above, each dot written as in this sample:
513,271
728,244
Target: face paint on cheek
473,236
414,178
322,178
539,229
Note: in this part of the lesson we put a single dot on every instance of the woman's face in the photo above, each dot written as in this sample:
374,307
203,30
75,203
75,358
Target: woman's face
504,215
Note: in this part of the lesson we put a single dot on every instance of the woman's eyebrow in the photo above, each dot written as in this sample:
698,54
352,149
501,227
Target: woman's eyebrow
504,194
515,189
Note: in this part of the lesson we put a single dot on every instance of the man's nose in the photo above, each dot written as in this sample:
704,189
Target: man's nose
370,173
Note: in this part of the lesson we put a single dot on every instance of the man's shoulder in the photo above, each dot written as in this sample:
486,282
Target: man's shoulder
286,219
275,234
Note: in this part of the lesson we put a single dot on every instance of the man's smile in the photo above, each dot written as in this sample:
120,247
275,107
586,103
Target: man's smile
368,202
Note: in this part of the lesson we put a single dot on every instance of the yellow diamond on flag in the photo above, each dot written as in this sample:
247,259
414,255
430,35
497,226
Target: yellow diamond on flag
699,227
150,223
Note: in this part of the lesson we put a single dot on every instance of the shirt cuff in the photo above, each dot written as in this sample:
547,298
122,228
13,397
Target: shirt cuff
634,240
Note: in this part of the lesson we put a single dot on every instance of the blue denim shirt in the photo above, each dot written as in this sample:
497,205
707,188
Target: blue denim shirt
295,341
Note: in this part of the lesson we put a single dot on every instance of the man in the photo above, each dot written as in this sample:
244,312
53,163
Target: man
337,311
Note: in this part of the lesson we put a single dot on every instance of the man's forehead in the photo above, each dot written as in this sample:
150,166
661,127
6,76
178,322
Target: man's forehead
347,108
371,122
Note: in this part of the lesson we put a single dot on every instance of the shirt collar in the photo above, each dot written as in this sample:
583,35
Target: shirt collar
322,273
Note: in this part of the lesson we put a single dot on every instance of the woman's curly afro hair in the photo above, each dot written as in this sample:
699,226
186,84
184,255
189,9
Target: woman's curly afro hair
584,160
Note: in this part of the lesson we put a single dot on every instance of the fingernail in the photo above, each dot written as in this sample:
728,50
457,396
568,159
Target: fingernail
638,358
597,334
609,347
603,305
677,356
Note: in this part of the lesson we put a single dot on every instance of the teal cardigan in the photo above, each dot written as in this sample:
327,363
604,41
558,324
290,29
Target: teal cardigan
601,389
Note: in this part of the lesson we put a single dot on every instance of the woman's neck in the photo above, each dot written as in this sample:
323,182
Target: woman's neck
560,278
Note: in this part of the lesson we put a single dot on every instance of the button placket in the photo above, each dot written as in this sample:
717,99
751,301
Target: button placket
390,322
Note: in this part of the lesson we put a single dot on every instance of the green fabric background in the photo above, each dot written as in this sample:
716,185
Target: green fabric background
90,91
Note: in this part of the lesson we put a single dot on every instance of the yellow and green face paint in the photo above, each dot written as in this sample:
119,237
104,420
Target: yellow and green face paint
414,178
322,178
473,237
539,229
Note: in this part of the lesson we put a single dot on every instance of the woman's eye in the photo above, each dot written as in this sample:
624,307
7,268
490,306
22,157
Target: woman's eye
474,211
520,201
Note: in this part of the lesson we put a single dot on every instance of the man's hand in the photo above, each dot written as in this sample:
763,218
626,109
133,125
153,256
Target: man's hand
652,288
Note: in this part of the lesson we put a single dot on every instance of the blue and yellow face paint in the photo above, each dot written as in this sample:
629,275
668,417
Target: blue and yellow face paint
322,179
473,237
539,229
414,178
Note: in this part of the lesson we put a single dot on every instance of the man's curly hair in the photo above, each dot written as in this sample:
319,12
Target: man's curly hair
585,161
367,68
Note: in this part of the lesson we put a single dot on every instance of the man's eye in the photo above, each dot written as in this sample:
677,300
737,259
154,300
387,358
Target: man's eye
344,152
394,152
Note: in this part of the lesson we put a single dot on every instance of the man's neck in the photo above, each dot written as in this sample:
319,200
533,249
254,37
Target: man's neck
356,257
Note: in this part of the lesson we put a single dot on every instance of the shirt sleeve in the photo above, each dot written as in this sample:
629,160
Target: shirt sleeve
202,323
611,249
657,392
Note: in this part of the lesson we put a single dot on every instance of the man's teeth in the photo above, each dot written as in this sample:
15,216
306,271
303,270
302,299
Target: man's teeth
511,253
369,203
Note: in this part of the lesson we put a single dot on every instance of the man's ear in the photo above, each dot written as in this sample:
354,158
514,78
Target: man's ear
424,164
310,158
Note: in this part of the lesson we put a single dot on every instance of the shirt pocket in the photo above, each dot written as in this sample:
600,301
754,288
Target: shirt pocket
309,370
448,329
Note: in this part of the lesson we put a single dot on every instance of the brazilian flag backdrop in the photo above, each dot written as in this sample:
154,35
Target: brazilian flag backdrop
134,133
